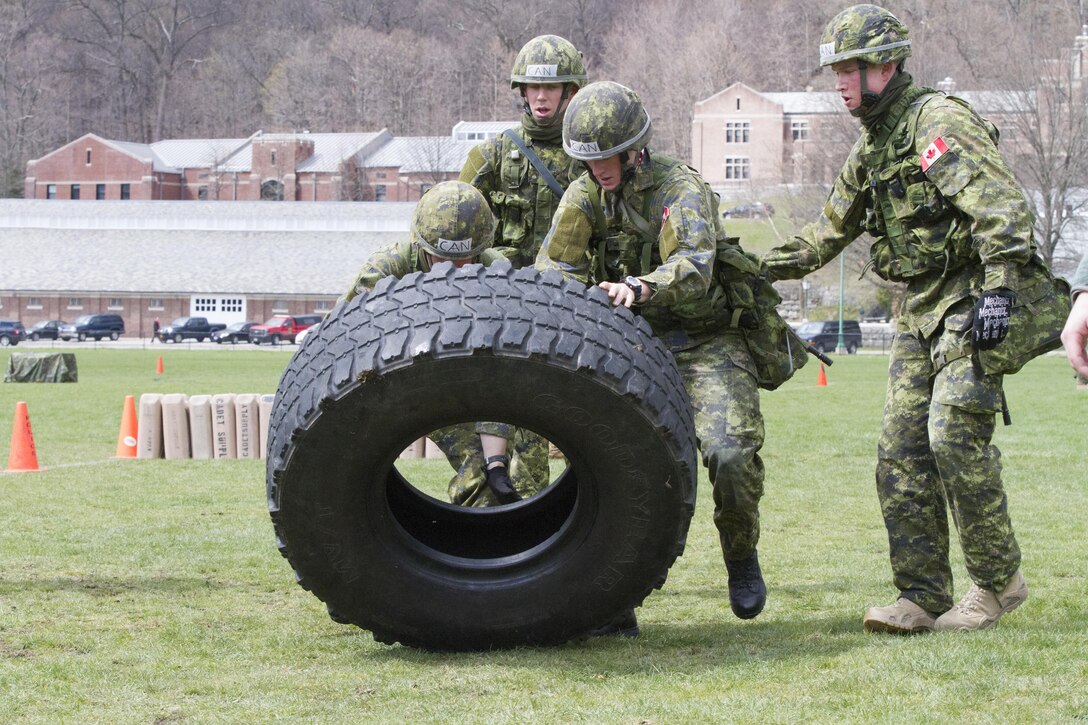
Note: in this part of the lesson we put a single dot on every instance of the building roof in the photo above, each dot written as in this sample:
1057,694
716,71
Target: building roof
196,152
148,247
142,151
420,154
330,149
489,129
806,102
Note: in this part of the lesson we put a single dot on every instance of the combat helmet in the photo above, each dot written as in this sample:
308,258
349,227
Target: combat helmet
868,33
548,59
453,221
603,120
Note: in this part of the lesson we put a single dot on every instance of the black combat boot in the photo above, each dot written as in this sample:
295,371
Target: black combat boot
625,625
747,592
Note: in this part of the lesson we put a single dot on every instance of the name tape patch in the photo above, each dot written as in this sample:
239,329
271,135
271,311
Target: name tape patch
542,71
585,147
827,49
454,246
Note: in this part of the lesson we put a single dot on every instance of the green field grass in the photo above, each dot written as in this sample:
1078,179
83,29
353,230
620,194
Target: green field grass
152,591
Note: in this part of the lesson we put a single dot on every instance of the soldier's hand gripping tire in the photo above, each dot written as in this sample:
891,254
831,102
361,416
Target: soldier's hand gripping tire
450,346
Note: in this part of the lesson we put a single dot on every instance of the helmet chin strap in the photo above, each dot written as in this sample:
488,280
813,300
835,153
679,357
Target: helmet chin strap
868,98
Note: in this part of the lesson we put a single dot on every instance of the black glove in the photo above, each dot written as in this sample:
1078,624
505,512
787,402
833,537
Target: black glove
499,483
992,315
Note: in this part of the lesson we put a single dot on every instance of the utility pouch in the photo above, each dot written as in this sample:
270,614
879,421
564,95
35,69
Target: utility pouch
777,352
1038,316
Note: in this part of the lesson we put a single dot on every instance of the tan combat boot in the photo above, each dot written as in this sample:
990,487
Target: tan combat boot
903,617
981,608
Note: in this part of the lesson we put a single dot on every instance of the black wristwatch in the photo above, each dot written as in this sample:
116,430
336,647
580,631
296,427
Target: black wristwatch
636,286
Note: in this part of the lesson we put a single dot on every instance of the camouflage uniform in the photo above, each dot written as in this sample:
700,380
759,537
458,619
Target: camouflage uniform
926,180
529,471
518,195
713,359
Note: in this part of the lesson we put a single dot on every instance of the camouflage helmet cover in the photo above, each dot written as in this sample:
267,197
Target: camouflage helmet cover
867,33
453,221
603,120
548,59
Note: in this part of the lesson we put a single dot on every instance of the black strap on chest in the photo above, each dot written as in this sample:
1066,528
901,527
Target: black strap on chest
885,138
535,160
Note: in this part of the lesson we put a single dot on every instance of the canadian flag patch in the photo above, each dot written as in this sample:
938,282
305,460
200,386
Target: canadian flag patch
933,152
665,216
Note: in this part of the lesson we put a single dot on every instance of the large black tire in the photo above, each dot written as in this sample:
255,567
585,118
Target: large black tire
481,344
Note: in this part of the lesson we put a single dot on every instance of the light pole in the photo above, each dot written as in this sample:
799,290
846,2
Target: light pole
805,284
840,346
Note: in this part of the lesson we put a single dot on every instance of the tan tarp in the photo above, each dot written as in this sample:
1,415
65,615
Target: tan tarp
41,367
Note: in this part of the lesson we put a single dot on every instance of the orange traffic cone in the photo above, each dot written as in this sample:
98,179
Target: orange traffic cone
23,457
126,439
821,377
159,368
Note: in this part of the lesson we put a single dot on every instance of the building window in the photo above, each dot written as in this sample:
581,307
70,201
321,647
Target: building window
34,303
202,193
231,304
116,303
50,191
737,167
100,191
75,303
424,188
379,192
272,190
273,158
799,130
738,103
321,307
154,303
88,157
279,307
75,191
737,131
125,191
380,174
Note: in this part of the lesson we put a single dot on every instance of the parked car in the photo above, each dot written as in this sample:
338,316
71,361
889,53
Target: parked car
103,324
46,330
758,210
189,328
301,337
281,328
233,333
12,332
824,336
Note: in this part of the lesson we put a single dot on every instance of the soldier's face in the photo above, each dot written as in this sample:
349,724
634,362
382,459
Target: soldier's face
848,81
608,172
545,100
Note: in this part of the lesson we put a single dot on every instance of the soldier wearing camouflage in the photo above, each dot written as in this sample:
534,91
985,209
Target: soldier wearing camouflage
547,73
645,227
926,180
452,222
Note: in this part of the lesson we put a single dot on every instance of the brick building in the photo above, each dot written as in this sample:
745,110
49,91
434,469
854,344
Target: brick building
266,166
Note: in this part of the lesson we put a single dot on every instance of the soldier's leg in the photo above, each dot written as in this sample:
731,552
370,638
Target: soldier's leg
729,426
961,427
461,444
909,488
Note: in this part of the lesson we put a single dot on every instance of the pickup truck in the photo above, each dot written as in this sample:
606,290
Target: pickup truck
281,328
189,328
